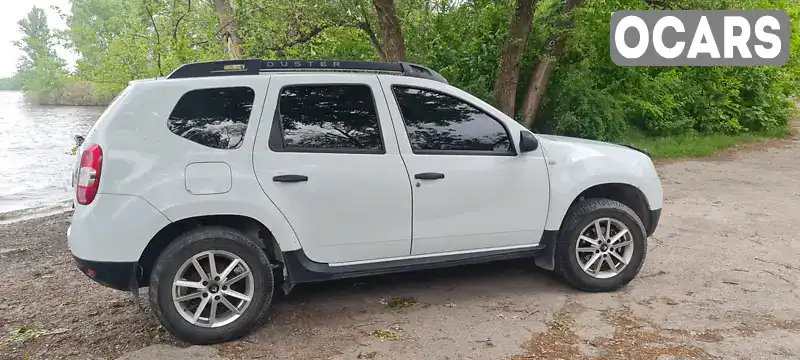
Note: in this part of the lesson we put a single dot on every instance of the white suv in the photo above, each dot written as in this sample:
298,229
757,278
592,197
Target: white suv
215,183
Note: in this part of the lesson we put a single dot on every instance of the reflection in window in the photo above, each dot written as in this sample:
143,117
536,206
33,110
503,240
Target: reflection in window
329,117
435,121
216,118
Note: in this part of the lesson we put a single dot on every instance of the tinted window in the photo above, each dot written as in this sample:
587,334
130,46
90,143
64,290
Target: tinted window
435,121
215,118
329,117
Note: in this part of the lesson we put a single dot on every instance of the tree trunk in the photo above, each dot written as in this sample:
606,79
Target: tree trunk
394,46
541,74
505,85
375,44
367,29
536,89
230,33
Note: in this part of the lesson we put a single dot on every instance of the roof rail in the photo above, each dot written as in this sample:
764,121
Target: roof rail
257,66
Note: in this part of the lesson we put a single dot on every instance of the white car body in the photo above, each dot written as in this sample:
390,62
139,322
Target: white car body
355,210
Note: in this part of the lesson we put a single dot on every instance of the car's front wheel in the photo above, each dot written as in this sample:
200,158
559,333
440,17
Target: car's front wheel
211,285
601,246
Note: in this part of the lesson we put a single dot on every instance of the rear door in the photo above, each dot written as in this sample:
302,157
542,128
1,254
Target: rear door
327,156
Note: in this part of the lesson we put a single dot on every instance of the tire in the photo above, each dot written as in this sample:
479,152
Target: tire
580,216
225,243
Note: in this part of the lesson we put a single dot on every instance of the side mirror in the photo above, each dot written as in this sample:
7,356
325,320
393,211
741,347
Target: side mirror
527,142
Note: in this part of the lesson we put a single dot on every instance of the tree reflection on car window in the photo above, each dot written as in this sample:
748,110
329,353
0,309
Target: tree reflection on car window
216,117
435,121
329,117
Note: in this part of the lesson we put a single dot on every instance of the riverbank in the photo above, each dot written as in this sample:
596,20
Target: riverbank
694,299
35,212
35,161
74,92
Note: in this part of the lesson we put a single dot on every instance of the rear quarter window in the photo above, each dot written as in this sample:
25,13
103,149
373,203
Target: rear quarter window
214,117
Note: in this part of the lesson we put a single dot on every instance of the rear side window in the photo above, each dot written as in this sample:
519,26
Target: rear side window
215,117
327,118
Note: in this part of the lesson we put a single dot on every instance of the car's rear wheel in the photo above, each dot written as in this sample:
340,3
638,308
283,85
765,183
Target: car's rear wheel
602,245
211,285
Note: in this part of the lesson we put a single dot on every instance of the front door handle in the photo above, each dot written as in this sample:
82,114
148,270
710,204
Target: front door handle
429,176
290,178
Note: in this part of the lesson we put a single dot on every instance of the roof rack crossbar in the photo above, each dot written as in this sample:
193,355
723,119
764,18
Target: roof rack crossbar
257,66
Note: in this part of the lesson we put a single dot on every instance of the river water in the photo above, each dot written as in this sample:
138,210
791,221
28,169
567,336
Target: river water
35,159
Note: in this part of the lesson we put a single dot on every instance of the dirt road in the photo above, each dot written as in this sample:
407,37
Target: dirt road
720,282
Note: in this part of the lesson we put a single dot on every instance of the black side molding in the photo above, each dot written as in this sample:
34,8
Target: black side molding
304,270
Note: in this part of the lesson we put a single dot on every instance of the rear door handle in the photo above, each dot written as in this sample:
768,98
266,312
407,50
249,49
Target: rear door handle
429,176
290,178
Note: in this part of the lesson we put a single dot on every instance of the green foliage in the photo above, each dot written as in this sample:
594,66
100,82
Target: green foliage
120,40
584,108
40,69
694,145
74,92
463,43
590,96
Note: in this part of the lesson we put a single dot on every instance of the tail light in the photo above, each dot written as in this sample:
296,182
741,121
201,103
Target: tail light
89,174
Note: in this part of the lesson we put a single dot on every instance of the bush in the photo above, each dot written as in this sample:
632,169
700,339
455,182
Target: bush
592,97
75,92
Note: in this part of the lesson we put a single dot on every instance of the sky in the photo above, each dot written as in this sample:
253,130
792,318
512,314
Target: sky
13,11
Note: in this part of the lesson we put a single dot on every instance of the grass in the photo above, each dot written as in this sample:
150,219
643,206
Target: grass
21,335
399,302
386,335
697,145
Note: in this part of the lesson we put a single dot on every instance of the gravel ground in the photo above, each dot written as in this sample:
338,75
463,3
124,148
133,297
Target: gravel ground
720,282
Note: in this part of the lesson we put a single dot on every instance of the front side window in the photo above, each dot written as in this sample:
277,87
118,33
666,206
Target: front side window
329,117
439,123
216,118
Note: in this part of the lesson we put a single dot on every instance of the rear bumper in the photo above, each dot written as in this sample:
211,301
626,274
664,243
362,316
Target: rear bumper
113,228
116,275
653,218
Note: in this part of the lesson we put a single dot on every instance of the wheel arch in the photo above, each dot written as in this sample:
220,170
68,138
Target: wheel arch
251,227
625,193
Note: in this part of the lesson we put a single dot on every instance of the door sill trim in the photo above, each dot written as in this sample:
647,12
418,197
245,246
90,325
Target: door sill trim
433,255
301,269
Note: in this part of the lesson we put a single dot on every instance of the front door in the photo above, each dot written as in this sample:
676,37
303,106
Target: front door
472,190
326,155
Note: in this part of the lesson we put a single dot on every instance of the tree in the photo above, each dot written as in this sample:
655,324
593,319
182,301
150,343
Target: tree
121,40
394,46
543,69
229,28
92,27
505,86
274,27
40,69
